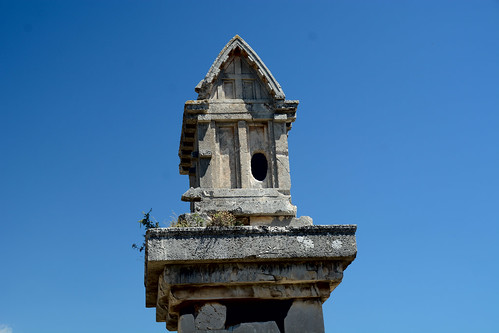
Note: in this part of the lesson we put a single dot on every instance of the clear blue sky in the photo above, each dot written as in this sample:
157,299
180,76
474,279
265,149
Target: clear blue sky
397,132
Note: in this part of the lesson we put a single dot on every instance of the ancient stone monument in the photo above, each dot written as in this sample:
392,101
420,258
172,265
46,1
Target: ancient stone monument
273,273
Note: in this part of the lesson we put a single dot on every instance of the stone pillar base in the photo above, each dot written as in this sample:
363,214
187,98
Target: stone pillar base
245,279
296,316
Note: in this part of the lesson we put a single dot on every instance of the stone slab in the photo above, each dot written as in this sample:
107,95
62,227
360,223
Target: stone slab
304,316
251,272
248,244
268,327
247,207
241,201
201,283
186,323
267,291
256,327
211,316
191,245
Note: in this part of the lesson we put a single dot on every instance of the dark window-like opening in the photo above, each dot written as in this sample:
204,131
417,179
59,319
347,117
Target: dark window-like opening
259,166
249,311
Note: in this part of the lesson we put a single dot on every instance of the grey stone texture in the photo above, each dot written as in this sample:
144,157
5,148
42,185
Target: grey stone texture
300,309
204,219
253,327
241,202
210,316
273,273
258,327
241,111
172,245
194,219
230,264
186,323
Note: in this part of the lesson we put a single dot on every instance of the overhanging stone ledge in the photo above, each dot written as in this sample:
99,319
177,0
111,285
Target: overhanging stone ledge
178,297
264,244
241,231
241,201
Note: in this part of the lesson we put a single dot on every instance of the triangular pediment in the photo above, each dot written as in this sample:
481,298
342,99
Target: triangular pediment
239,73
238,80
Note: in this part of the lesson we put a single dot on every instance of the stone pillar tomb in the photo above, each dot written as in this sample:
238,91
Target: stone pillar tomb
271,274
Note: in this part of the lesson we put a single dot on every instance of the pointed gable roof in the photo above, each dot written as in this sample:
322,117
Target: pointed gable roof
204,87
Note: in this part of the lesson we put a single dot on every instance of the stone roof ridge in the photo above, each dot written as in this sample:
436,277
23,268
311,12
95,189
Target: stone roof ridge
204,86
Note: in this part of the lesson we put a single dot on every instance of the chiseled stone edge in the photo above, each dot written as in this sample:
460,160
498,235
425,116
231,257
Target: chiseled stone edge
190,232
262,71
156,238
248,243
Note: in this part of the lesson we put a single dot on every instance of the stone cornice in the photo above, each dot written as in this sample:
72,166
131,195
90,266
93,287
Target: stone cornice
336,229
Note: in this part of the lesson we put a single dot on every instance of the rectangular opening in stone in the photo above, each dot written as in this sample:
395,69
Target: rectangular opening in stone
254,311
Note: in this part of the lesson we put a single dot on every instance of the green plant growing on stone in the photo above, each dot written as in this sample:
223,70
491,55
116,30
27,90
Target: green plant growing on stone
223,219
188,220
147,223
176,222
218,219
197,220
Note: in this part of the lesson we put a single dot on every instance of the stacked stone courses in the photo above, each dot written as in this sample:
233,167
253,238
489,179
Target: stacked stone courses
271,274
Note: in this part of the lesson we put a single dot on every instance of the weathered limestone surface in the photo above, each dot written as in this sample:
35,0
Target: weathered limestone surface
204,219
186,324
310,309
207,266
273,273
211,316
174,245
241,202
302,316
268,326
249,272
234,139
